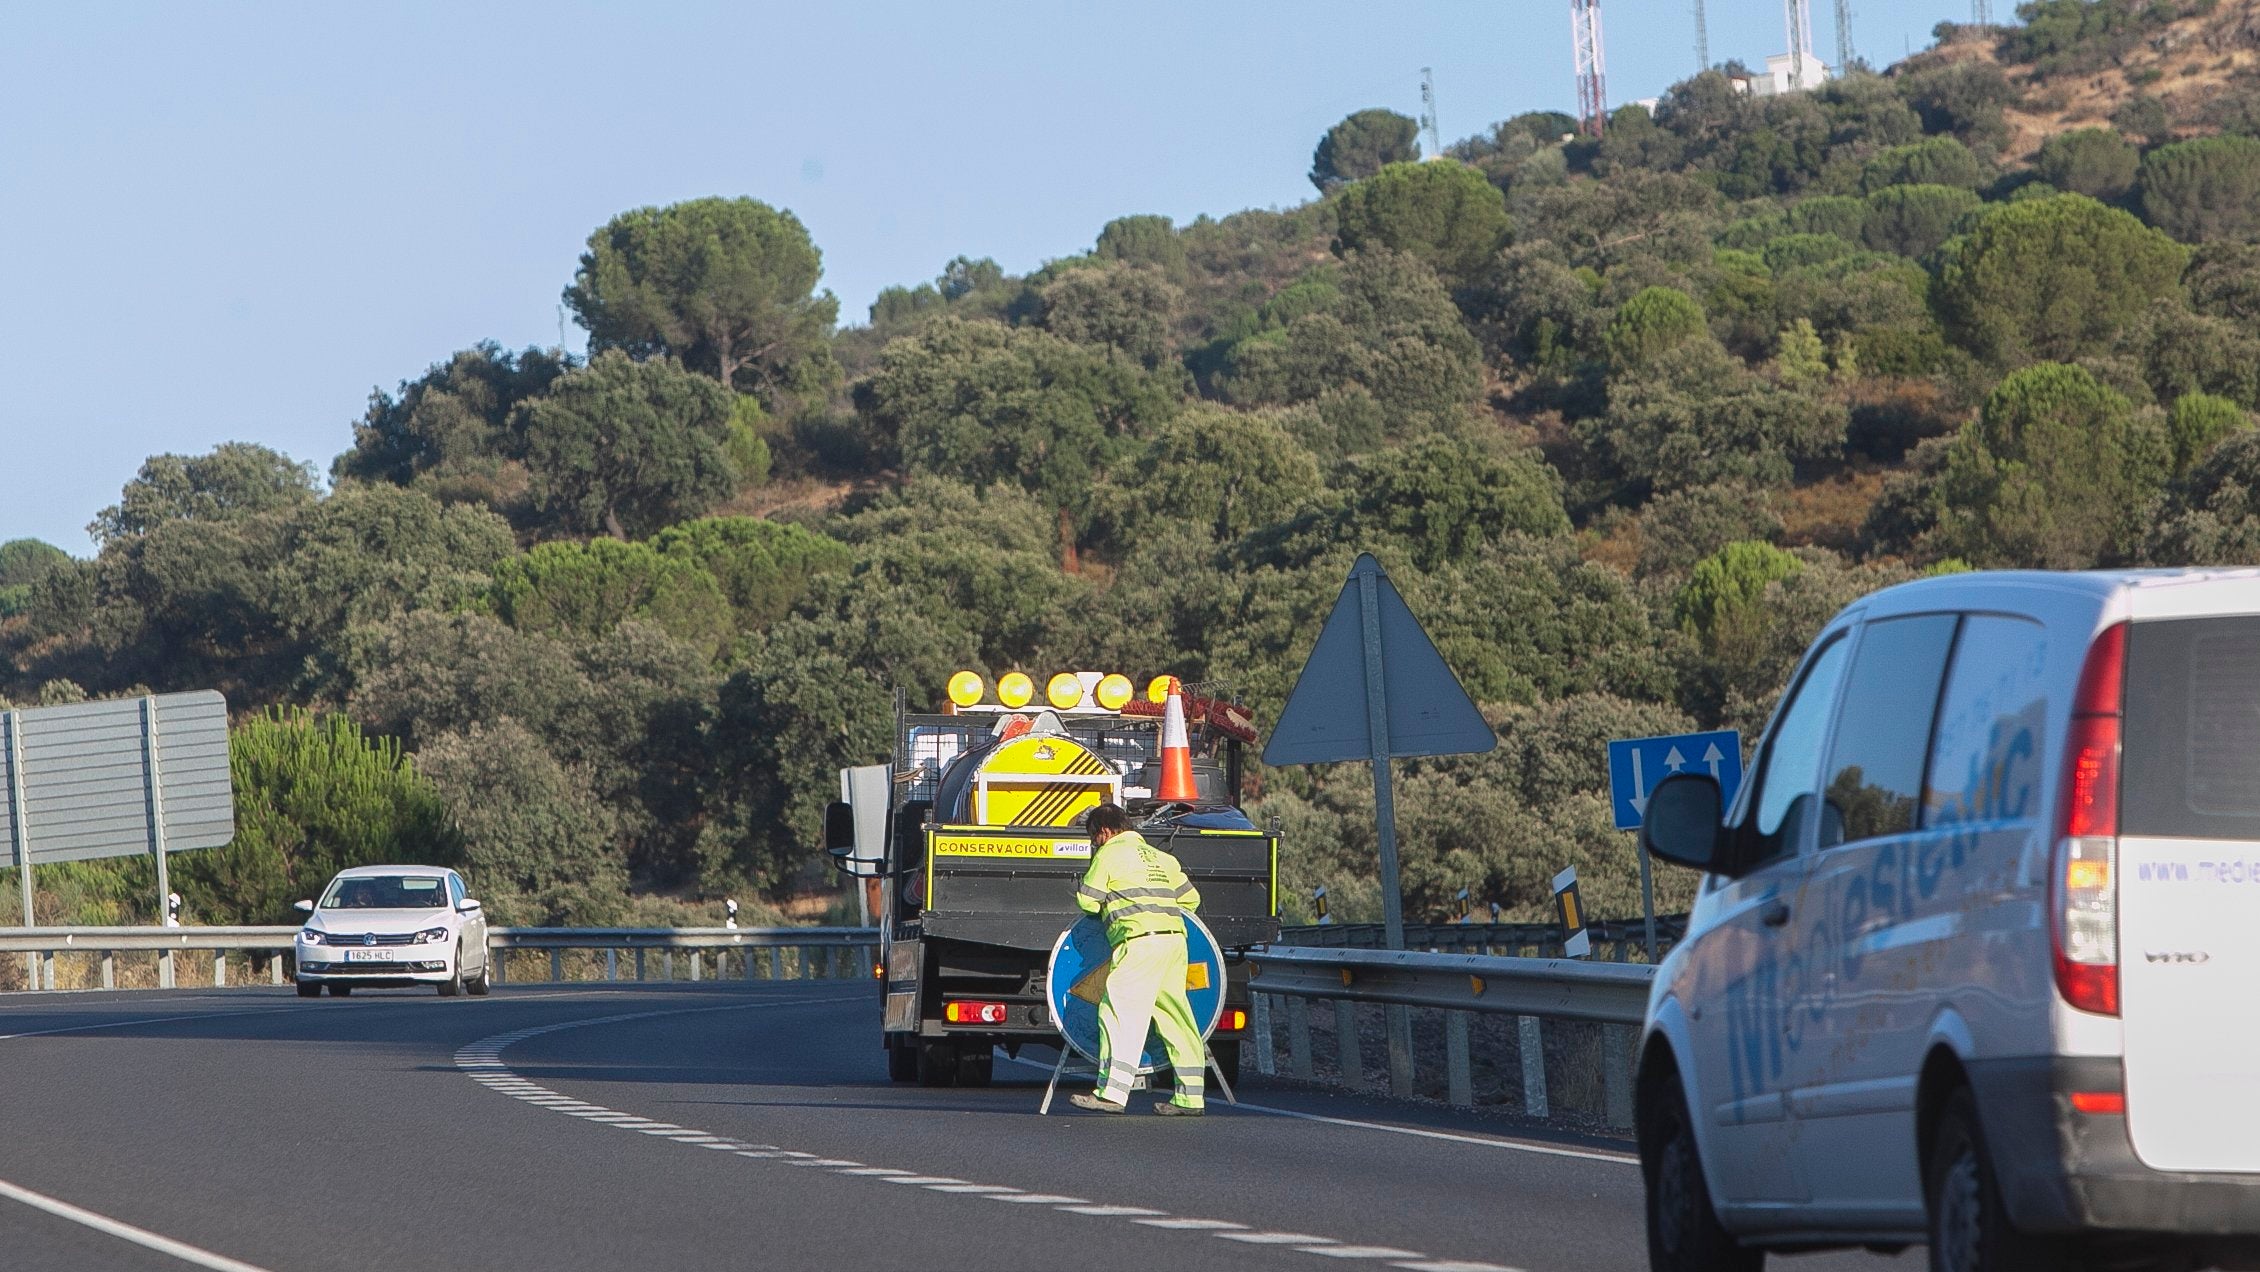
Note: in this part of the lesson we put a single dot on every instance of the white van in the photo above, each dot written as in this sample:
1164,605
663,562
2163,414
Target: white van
1977,963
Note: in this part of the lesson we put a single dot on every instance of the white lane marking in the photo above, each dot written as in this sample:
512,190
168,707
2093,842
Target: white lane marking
142,1237
482,1062
146,1020
1480,1141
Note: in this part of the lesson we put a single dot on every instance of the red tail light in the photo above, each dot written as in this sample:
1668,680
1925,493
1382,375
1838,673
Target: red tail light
2099,1102
967,1012
2085,887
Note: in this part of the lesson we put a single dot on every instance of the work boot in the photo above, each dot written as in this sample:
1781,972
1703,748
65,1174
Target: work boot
1170,1108
1090,1100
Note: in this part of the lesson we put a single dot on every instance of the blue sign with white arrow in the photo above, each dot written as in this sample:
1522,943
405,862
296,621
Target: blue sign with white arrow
1637,764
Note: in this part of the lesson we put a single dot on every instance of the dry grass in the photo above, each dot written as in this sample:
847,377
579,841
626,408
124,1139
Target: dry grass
1828,513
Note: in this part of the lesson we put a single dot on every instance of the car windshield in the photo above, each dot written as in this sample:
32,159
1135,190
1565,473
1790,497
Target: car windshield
387,892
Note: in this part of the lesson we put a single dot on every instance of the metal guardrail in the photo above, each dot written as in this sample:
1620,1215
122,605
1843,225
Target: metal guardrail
817,950
1613,996
1613,939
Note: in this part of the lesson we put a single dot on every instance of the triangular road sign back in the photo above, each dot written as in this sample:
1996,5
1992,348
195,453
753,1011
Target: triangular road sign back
1326,716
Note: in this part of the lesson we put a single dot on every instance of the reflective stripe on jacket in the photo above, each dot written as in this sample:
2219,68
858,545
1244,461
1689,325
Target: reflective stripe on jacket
1137,888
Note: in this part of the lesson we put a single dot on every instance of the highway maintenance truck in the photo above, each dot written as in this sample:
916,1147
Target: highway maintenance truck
971,842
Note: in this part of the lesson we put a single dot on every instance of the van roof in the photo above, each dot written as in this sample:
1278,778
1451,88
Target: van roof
2157,593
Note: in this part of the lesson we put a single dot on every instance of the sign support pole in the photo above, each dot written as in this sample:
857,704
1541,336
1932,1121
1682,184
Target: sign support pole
1647,898
1398,1016
156,804
17,812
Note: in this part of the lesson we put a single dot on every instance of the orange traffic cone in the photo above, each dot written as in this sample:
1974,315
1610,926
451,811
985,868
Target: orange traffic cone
1176,752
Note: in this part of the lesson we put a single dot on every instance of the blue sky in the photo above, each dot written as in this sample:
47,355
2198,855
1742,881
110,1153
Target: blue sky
231,221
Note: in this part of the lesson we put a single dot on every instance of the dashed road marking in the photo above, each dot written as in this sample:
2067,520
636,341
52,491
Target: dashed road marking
482,1062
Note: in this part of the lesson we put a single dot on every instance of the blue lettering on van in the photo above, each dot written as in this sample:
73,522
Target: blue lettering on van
2233,871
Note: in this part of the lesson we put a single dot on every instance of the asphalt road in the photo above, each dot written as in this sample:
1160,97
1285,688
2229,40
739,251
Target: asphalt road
657,1127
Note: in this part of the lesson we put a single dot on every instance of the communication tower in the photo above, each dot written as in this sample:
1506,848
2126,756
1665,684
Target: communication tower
1428,113
1585,46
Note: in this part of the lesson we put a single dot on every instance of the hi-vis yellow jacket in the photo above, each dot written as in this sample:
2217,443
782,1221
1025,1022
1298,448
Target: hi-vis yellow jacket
1138,888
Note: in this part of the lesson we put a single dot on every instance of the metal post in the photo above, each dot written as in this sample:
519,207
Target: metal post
696,960
1616,1073
667,965
1459,1077
18,829
1348,1045
1298,1037
110,969
1647,898
156,801
219,969
612,965
1532,1038
165,970
639,962
502,967
47,970
274,970
1377,742
556,966
748,952
1259,1024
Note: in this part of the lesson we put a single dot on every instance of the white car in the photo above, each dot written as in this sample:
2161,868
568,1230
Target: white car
393,927
1978,961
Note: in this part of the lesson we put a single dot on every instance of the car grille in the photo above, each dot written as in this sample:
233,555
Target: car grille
361,969
382,938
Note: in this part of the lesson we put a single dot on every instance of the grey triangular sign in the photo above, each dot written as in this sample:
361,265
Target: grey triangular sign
1326,717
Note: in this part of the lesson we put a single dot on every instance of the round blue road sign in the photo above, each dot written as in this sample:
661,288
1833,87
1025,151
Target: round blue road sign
1079,961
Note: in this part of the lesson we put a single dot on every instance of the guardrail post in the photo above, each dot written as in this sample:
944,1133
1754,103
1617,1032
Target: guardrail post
611,965
1459,1079
556,966
274,970
165,970
110,969
667,965
219,969
1399,1018
1298,1037
501,971
748,955
1531,1040
1348,1045
47,969
696,960
639,962
1259,1024
1616,1072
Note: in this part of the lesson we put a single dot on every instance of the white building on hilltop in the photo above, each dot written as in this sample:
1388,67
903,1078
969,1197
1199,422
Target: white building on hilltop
1782,76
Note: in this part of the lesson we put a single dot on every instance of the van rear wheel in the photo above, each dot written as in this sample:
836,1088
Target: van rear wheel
1969,1227
1684,1234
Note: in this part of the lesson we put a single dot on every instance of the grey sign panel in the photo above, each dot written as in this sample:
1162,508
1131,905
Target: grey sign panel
119,778
1328,716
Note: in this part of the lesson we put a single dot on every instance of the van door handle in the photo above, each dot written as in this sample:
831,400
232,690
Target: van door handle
1774,914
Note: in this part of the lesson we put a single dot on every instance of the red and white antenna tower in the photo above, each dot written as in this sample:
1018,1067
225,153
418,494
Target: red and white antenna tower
1585,45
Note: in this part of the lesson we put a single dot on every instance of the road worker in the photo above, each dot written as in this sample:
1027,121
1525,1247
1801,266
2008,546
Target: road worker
1143,895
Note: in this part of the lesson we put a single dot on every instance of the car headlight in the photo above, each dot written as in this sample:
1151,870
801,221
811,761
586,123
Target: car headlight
431,936
310,936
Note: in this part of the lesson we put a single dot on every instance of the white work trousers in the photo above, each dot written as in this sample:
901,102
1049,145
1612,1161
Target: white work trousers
1145,985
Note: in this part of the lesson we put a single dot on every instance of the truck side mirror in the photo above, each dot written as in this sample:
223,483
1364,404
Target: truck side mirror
839,841
1681,822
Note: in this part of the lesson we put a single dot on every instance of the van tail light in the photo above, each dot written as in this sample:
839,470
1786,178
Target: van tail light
2100,1103
965,1012
2085,884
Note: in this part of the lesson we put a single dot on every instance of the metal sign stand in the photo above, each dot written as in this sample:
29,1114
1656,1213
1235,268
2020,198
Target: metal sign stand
1208,1060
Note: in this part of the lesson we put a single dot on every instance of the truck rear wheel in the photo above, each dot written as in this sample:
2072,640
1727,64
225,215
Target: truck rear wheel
936,1062
902,1060
976,1064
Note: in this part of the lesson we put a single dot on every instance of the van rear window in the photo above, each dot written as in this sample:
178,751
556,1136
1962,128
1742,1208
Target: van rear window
2190,766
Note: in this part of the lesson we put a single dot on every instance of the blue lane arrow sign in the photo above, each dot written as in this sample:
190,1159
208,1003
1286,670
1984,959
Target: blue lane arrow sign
1637,764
